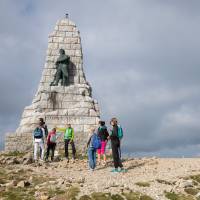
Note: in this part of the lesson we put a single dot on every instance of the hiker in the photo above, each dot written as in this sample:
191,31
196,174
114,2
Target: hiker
68,139
44,126
41,120
115,137
103,135
38,140
93,144
51,144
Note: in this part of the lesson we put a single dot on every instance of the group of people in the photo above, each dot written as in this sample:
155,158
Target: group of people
41,134
96,145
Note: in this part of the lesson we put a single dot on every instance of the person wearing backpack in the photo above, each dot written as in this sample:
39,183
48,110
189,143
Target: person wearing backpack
41,120
93,144
103,135
51,144
44,126
68,139
115,137
38,140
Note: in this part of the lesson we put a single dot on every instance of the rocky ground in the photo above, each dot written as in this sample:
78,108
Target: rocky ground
146,179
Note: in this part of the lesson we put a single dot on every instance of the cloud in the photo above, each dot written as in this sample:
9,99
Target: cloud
140,57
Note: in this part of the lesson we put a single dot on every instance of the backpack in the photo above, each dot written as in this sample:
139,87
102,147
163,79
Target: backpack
53,138
96,142
120,132
38,133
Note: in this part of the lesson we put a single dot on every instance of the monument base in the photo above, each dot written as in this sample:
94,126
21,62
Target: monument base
70,105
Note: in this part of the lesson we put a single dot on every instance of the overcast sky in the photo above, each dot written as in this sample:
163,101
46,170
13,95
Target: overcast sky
140,56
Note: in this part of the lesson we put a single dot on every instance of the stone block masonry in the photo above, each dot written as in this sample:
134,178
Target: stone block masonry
59,105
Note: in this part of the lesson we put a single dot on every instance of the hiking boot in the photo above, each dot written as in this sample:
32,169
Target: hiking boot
91,170
122,170
114,170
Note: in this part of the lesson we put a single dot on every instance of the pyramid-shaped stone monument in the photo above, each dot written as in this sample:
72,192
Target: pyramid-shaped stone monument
59,102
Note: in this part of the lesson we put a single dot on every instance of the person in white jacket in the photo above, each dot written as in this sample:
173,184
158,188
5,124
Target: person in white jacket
38,141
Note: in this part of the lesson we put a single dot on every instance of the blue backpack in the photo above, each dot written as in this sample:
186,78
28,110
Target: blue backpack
38,133
120,132
96,142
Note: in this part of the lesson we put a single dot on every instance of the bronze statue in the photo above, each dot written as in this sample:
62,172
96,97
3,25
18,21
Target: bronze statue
62,65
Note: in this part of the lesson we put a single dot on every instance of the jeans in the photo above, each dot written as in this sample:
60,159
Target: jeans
116,153
38,143
51,147
67,141
92,157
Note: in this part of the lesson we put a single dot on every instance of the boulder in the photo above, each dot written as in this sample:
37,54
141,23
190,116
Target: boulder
11,184
186,183
44,197
28,159
23,184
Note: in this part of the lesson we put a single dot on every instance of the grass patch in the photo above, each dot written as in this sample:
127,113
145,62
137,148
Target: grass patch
132,196
196,178
18,175
3,176
117,197
8,175
55,192
41,179
17,194
164,182
85,197
72,193
195,183
174,196
145,197
14,154
171,195
100,196
143,184
191,191
108,196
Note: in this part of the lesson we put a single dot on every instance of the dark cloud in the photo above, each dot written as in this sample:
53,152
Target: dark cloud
141,58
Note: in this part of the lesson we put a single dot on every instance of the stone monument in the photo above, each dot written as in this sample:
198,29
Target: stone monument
63,96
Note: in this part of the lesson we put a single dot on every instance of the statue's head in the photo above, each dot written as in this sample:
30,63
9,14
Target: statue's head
62,51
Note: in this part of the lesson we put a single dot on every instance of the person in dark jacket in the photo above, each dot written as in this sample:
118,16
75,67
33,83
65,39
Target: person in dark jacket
41,120
103,135
115,145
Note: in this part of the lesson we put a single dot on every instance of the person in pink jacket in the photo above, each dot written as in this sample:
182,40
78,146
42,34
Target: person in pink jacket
51,144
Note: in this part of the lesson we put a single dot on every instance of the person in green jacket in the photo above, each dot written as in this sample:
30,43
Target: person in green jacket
69,139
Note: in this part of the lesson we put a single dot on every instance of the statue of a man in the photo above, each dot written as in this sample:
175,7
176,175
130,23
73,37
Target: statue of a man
62,65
